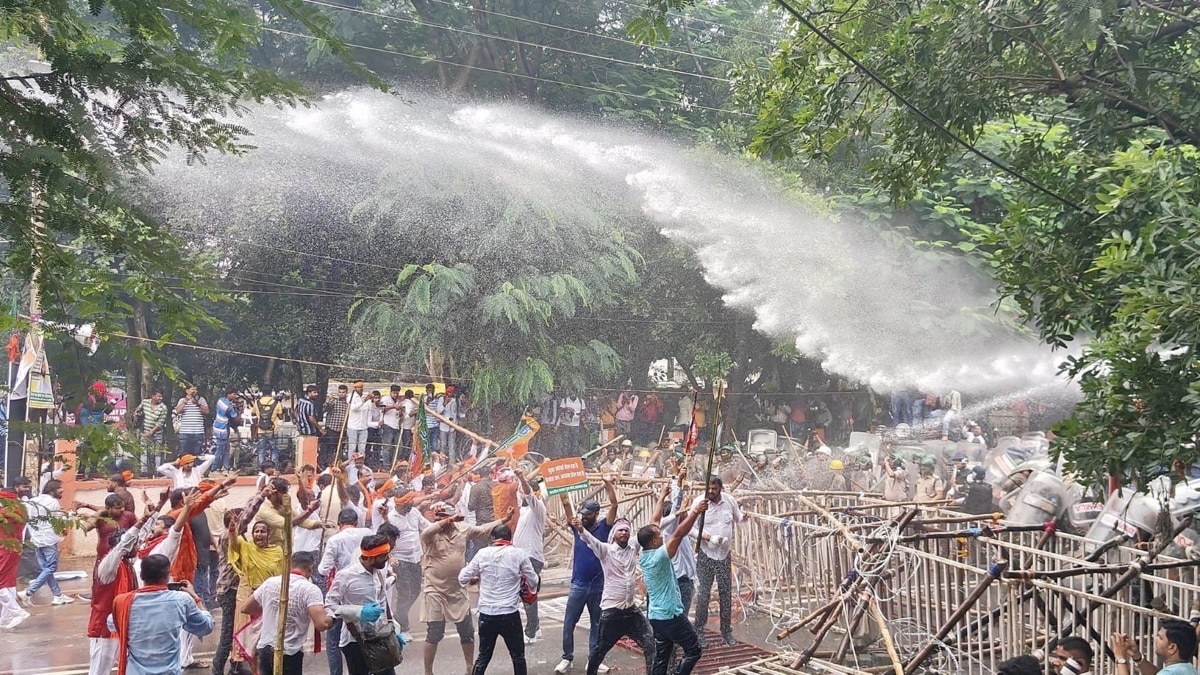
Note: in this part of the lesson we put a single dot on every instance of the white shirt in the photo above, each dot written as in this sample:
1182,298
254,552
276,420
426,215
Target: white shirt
392,417
179,479
408,543
343,549
302,594
449,410
684,562
360,411
531,527
620,570
374,417
463,510
353,473
353,588
499,569
575,406
719,521
43,509
304,539
410,407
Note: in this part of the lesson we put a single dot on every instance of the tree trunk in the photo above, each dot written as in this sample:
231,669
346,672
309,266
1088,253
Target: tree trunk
269,375
297,383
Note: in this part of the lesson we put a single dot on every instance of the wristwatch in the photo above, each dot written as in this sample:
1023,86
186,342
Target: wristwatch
1121,662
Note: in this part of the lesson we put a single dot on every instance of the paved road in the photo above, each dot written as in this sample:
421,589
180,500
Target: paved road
52,642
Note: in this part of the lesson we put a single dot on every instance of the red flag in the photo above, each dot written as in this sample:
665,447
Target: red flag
693,433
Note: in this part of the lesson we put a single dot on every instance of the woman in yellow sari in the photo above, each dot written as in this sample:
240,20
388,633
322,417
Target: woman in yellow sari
254,560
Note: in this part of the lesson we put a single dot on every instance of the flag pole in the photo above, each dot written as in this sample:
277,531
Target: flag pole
284,585
718,395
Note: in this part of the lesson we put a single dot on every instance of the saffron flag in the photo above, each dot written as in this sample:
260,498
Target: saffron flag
518,444
422,440
693,432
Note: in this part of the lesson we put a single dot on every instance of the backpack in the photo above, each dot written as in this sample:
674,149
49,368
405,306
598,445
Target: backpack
266,416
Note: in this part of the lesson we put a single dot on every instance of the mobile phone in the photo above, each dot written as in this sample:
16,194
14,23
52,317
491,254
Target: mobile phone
175,586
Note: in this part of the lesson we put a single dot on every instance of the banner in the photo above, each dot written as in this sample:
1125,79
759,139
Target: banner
41,390
693,432
518,444
564,475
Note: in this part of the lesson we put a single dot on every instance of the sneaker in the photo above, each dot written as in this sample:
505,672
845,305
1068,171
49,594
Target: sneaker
728,638
563,666
24,598
602,668
83,596
62,600
538,635
530,640
16,620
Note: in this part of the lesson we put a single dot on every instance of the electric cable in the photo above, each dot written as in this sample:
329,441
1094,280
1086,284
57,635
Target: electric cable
426,58
921,113
516,41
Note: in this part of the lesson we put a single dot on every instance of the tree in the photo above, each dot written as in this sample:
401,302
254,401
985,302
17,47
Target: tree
1089,224
92,95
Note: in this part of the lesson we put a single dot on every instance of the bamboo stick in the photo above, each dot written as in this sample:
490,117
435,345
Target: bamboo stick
285,584
886,634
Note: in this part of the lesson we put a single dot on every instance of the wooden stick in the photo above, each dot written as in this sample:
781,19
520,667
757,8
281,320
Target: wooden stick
808,619
285,583
791,444
886,633
460,429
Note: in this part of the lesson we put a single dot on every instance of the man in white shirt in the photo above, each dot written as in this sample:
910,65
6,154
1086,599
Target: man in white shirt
570,409
619,614
667,517
358,420
341,551
358,597
305,610
408,422
184,472
713,561
501,570
531,538
392,407
406,555
447,439
46,522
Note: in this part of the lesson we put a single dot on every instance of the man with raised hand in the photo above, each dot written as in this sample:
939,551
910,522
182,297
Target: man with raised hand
587,575
305,610
665,606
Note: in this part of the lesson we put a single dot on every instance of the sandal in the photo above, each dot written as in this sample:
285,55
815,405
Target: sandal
198,665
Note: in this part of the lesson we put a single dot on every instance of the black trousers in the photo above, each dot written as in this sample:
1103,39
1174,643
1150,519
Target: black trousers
616,624
355,664
709,570
507,626
671,632
293,664
228,603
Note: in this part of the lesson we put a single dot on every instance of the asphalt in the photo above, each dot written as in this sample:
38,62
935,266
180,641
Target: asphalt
53,642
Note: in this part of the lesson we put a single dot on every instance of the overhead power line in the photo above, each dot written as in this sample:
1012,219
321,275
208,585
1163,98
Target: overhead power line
502,38
427,58
799,16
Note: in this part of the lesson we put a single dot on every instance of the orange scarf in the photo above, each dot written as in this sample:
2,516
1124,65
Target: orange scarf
183,568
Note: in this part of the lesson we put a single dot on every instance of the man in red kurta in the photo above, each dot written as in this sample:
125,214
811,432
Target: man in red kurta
12,533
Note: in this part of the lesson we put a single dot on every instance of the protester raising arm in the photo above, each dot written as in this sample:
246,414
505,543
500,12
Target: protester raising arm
611,490
685,526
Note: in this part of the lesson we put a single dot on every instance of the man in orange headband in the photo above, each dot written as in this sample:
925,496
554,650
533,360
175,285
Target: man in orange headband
359,598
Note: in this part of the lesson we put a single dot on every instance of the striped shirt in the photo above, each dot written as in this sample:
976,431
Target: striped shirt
192,419
304,410
154,417
225,411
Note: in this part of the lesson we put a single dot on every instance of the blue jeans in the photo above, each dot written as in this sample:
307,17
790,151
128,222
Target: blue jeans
190,444
47,557
333,652
356,441
221,459
267,440
582,595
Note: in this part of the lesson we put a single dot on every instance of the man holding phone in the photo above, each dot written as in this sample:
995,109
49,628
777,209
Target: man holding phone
149,636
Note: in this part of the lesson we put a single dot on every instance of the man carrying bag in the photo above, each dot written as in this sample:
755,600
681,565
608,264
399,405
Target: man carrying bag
370,643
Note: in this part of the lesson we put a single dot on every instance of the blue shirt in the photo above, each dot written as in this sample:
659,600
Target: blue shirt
661,586
1178,669
586,568
154,623
225,411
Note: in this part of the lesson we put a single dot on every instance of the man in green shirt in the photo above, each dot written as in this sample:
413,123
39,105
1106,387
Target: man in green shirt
667,618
